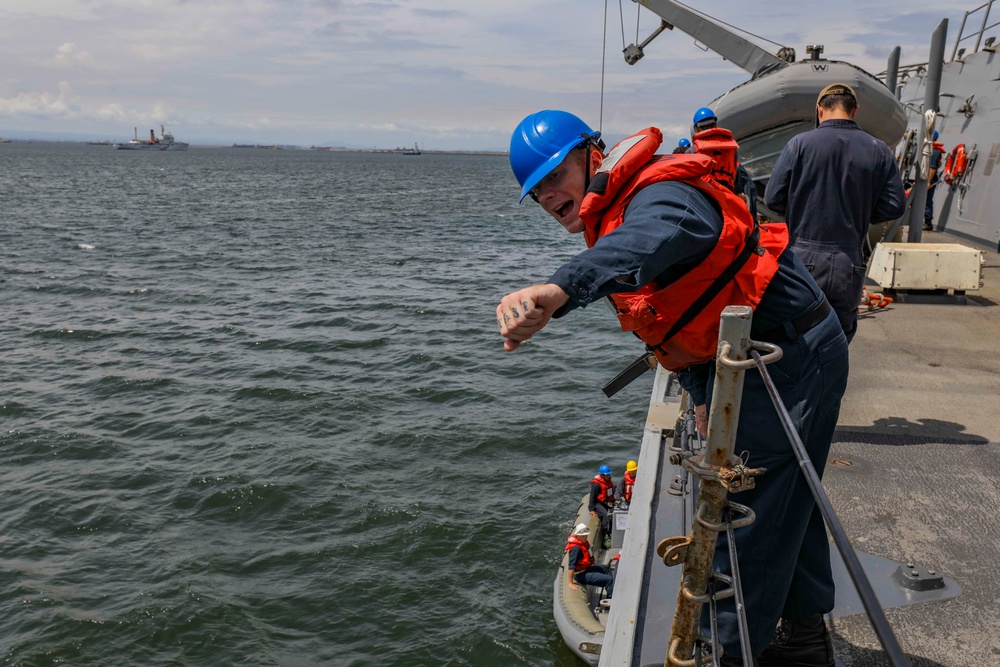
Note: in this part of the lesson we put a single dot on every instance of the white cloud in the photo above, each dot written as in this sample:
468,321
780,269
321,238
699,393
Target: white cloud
390,72
114,112
40,104
67,53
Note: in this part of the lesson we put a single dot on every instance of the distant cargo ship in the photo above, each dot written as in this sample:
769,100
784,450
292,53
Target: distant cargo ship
165,142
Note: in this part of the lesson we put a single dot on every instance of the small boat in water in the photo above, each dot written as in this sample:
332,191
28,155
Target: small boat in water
415,151
581,614
165,142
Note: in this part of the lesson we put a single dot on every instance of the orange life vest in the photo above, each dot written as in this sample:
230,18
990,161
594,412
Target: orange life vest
718,144
607,493
627,484
652,311
939,170
585,559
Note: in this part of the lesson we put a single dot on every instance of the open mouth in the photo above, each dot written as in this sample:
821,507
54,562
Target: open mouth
563,209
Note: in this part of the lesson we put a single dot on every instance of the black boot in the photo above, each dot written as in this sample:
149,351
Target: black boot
804,643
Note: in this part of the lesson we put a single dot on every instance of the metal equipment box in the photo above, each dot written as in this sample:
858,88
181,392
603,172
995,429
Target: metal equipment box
927,266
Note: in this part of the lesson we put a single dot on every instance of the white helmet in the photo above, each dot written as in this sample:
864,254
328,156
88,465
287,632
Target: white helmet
581,530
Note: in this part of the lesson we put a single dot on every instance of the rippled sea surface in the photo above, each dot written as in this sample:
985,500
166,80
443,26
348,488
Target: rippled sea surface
255,410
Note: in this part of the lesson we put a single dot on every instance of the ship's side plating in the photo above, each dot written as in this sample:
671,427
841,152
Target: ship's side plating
969,114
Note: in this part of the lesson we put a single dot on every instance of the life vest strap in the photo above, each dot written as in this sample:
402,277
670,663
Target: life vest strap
751,245
627,376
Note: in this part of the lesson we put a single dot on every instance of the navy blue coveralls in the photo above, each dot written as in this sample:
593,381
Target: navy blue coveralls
929,208
668,228
831,183
603,510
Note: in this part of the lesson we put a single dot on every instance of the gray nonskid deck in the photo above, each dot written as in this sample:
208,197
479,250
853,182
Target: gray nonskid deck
913,471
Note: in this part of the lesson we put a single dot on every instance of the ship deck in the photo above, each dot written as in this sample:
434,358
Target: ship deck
911,477
914,467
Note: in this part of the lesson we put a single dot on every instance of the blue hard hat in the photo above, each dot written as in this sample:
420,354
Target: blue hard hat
703,113
605,470
541,142
684,142
935,135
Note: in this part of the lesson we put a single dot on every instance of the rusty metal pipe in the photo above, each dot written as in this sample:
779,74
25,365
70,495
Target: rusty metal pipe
734,332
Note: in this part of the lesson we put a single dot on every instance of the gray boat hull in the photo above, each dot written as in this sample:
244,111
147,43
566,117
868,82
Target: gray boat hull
766,112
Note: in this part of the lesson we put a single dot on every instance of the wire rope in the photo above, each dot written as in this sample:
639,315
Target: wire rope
604,55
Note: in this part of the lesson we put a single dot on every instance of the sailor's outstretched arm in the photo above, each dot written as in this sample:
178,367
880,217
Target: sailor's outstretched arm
524,313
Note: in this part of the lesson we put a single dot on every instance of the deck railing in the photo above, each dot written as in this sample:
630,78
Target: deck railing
977,34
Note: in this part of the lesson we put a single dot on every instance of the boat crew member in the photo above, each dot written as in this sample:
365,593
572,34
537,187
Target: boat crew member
602,500
581,567
831,183
683,146
718,143
932,179
623,489
658,231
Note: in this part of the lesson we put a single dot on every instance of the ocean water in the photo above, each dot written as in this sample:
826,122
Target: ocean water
256,411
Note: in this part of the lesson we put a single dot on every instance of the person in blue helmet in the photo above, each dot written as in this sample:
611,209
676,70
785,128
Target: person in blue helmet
718,143
830,184
704,119
683,146
602,500
658,230
937,153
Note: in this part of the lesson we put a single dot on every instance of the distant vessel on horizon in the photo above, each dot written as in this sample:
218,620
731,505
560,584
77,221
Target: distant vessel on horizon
415,151
165,142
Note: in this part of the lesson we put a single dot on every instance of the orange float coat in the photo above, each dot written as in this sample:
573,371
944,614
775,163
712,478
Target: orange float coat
607,493
718,144
653,310
627,484
585,559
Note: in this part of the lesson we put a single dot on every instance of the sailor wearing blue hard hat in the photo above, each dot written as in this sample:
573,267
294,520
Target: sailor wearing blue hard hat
707,135
539,146
704,119
602,499
654,227
683,146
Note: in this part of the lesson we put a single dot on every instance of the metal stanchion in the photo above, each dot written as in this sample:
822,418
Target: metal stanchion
697,549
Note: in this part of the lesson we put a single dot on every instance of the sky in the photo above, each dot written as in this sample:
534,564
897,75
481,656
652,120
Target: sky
443,74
